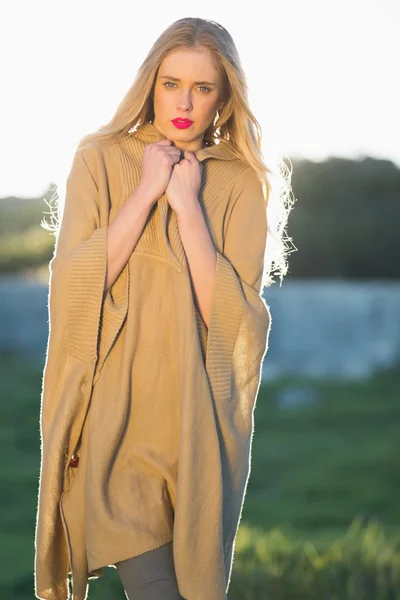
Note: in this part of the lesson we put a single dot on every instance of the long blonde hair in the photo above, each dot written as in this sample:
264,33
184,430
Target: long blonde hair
235,122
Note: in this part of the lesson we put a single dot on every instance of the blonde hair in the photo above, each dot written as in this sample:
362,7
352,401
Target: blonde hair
234,122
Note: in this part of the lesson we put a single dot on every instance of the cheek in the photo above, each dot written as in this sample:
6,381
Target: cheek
209,110
160,94
157,96
163,99
211,105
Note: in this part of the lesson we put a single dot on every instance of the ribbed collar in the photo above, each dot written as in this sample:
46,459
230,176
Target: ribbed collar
150,134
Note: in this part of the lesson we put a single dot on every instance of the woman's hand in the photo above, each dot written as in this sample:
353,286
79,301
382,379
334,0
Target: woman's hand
184,185
158,161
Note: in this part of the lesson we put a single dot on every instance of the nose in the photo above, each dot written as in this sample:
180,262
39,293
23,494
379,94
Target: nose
185,102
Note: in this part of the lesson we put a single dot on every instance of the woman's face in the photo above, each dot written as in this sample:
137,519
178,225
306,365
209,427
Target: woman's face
187,86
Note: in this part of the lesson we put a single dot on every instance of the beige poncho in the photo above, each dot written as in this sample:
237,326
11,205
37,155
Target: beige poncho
147,416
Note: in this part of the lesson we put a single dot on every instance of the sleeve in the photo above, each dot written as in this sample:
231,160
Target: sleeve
240,320
79,267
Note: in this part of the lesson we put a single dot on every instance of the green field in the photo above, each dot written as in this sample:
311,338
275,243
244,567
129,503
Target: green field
321,519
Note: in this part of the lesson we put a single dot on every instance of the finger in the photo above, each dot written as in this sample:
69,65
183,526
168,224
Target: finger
176,155
190,156
171,151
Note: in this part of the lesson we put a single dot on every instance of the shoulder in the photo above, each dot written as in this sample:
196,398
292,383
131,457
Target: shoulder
246,176
99,158
248,189
240,177
247,207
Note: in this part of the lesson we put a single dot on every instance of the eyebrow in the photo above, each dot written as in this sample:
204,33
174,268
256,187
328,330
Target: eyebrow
195,82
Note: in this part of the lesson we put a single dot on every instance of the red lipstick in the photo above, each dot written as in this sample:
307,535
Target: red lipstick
182,123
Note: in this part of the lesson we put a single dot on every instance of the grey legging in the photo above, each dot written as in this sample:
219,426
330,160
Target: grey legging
150,576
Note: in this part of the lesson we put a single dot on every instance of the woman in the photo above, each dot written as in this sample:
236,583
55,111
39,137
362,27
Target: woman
157,332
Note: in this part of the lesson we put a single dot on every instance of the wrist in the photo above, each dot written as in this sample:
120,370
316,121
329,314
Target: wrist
141,195
190,211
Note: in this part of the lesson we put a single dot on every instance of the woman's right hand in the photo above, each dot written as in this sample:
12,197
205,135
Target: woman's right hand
158,161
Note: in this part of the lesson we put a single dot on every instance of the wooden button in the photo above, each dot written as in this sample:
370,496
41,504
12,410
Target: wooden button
74,461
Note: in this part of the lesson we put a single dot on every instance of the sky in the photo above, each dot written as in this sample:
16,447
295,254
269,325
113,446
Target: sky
322,76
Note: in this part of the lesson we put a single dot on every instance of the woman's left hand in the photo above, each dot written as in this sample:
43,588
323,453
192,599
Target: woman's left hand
183,188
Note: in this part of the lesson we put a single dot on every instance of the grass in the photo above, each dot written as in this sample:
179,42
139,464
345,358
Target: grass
321,516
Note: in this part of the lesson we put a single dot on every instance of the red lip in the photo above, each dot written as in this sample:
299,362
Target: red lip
182,123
